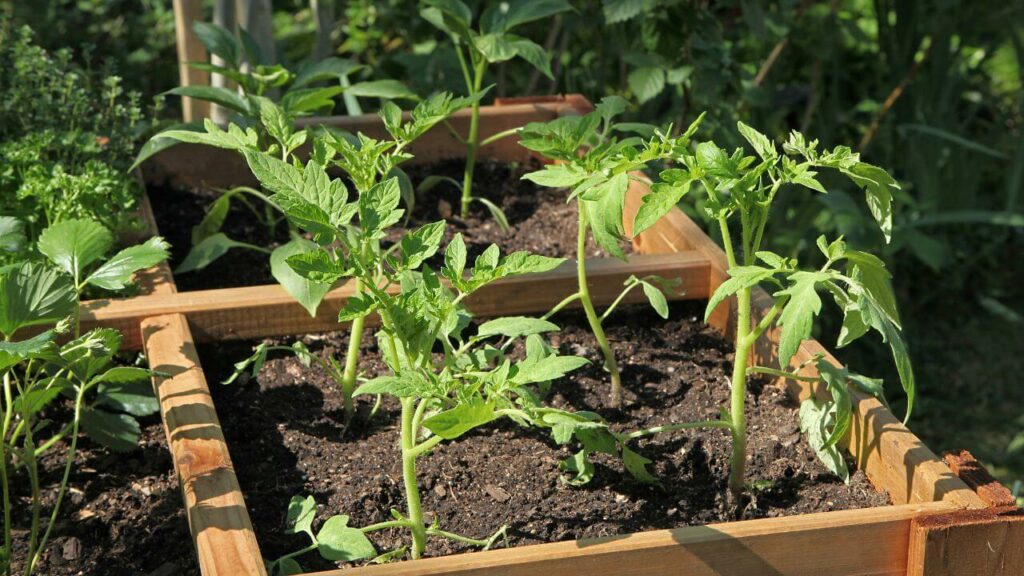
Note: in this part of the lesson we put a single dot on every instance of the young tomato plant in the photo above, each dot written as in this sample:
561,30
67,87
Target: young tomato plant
371,165
743,188
596,167
258,104
476,48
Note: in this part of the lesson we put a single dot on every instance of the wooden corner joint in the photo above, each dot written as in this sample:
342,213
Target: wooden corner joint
977,542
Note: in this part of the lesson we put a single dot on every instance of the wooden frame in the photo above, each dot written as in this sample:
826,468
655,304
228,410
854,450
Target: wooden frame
943,520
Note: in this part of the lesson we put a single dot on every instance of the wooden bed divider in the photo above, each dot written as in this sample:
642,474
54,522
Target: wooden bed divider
939,525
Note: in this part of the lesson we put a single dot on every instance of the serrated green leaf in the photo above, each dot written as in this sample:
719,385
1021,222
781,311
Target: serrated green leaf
869,272
455,422
580,466
813,421
75,244
739,278
203,254
306,291
878,186
421,244
547,369
32,294
455,258
515,327
12,234
646,82
403,386
116,273
525,263
662,199
657,298
759,142
636,465
797,316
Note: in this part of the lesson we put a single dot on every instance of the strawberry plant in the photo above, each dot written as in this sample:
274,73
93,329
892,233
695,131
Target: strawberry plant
38,370
491,41
741,187
596,166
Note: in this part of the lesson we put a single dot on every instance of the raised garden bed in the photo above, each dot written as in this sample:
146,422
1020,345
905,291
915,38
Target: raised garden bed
936,522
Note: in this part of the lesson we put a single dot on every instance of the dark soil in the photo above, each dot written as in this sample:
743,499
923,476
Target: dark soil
540,221
287,438
122,516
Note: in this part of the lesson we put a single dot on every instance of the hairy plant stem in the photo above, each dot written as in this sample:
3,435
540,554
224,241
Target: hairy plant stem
615,399
737,409
472,142
348,377
412,491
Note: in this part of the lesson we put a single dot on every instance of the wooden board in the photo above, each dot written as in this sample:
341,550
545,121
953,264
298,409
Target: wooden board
221,530
260,311
190,49
968,543
195,165
870,542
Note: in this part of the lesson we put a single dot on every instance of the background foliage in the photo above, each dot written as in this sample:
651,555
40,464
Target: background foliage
930,89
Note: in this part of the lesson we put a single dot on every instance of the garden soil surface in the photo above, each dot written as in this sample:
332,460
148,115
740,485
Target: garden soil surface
122,516
287,437
540,221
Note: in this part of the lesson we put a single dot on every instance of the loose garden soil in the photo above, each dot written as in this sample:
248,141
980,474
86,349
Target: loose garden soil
540,221
122,516
287,437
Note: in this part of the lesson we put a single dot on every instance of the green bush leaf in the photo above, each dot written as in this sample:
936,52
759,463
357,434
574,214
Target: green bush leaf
219,41
557,176
547,369
387,89
646,82
759,142
656,297
422,243
219,96
878,186
339,542
814,421
12,234
404,386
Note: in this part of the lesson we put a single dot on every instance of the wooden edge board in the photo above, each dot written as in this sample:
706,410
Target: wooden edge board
894,459
262,311
199,165
990,490
218,519
987,542
867,542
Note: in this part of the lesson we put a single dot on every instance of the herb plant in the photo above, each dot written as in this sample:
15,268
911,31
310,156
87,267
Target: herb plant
490,42
741,187
596,166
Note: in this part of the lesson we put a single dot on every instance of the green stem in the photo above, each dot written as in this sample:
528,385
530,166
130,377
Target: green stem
472,143
627,290
70,459
291,555
478,542
676,427
348,378
8,413
737,468
412,491
495,137
558,307
385,526
588,306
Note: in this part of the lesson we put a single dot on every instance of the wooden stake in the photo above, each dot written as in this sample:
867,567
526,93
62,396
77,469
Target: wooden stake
190,49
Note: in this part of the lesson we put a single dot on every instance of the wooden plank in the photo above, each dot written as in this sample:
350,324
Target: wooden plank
990,490
191,165
968,543
869,542
894,458
190,49
221,530
261,311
